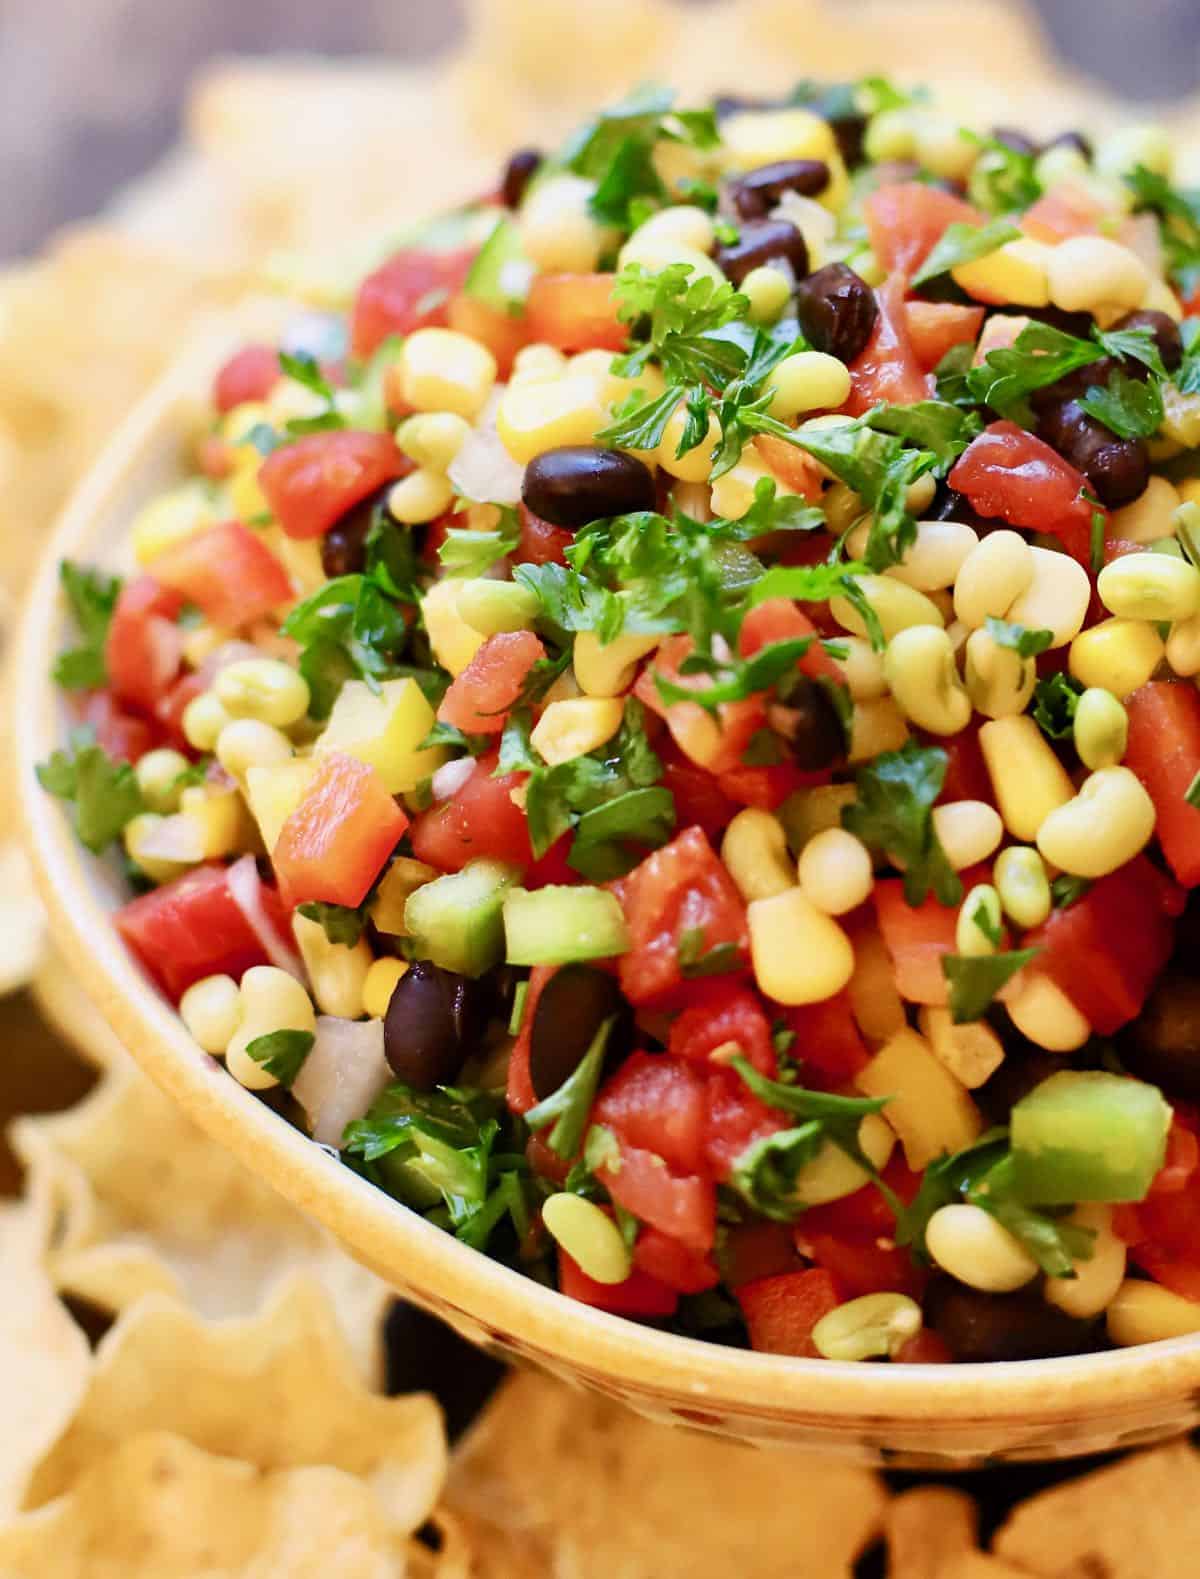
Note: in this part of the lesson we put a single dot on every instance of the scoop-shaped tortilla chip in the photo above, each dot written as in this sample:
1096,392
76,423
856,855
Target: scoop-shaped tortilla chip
928,1530
148,1203
158,1507
279,1390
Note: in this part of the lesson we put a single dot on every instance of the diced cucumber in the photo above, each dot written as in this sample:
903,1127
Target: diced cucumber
501,273
558,926
455,921
1084,1135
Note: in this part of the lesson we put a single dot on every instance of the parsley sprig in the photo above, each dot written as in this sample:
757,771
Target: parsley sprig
103,790
92,598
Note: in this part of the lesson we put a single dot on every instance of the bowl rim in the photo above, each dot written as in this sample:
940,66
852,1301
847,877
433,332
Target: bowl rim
424,1259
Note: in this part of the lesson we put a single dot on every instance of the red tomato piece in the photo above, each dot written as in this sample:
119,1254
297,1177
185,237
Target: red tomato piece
716,745
551,870
501,332
937,327
967,777
679,893
681,1205
781,1312
544,1162
639,1295
926,1348
1064,211
672,1262
734,1119
480,697
479,819
249,374
1009,473
779,619
792,466
861,1266
887,368
1182,1158
192,927
756,1250
737,1016
144,647
410,291
311,483
767,787
575,312
699,797
520,1094
907,219
123,735
333,845
228,573
1164,752
1107,949
828,1041
169,710
656,1101
542,543
916,938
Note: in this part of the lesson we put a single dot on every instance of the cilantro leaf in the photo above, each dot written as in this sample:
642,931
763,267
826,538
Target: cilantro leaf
1025,643
467,553
697,961
1066,890
643,817
963,244
680,312
734,679
302,369
949,1178
766,1173
1131,407
568,1107
975,979
1003,177
935,425
893,813
282,1053
342,923
104,791
616,148
879,468
639,423
1039,357
805,583
1055,699
92,597
451,736
1131,345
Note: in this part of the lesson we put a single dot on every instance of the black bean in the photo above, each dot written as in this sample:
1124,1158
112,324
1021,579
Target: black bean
434,1021
758,191
762,241
1163,1043
1014,139
578,483
837,310
1025,1066
950,505
1166,336
1073,386
344,546
518,173
574,1004
1117,469
1020,1326
1075,140
806,720
848,132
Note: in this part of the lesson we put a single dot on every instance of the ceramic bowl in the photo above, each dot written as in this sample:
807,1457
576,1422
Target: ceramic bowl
948,1416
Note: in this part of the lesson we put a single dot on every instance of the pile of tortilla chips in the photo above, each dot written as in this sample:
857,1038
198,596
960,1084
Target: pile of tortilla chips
229,1423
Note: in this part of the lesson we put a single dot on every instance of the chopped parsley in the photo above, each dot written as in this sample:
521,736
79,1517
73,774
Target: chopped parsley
567,1108
894,814
302,369
467,553
1132,408
282,1053
963,244
975,979
616,150
1025,643
92,598
1041,355
1055,698
104,791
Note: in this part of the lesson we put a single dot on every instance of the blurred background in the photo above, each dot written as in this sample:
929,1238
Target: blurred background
90,90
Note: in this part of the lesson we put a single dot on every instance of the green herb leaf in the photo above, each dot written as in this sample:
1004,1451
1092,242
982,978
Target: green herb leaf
938,426
1025,643
641,818
1039,357
105,791
282,1053
1130,407
342,924
1066,890
1055,699
697,961
303,369
453,737
963,244
893,813
1192,793
467,553
975,979
616,148
92,598
765,1174
568,1107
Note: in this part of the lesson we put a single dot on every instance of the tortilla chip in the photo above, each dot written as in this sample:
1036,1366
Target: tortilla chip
927,1530
604,1494
1136,1519
158,1507
279,1390
978,1565
148,1203
44,1357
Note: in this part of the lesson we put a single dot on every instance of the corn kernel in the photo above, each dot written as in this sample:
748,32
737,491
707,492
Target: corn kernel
211,1009
157,775
245,494
1143,1312
1118,655
265,689
433,438
420,497
168,519
379,986
607,668
558,230
203,720
442,370
1056,599
1088,272
337,972
756,137
929,1109
453,641
682,222
799,954
768,291
968,831
1028,779
695,464
1122,150
1015,273
876,726
1043,1013
533,417
807,381
755,854
896,606
835,871
1149,517
1150,586
571,729
1105,825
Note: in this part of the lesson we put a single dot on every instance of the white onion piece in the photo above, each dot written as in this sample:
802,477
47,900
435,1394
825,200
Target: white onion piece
221,657
1141,234
451,777
343,1074
245,888
483,470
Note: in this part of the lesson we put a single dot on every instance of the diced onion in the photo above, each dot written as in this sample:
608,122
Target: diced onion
245,888
451,777
343,1074
483,470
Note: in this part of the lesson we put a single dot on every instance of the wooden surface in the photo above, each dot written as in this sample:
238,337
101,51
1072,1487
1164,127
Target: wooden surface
38,1074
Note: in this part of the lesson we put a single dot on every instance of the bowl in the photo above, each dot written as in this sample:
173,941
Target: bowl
927,1416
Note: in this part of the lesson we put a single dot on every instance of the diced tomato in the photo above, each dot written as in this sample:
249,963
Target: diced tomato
865,1214
123,735
755,1250
794,467
679,895
639,1295
542,543
228,573
575,312
334,844
967,777
1066,210
862,1266
926,1348
937,327
907,219
769,786
479,819
193,927
656,1101
501,332
887,368
1164,752
170,708
1182,1157
249,374
520,1094
681,1205
781,1312
214,457
734,1119
312,482
144,647
545,1162
828,1041
551,869
699,798
410,291
916,938
1009,473
1107,949
736,1016
672,1262
480,697
1117,548
715,743
779,619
